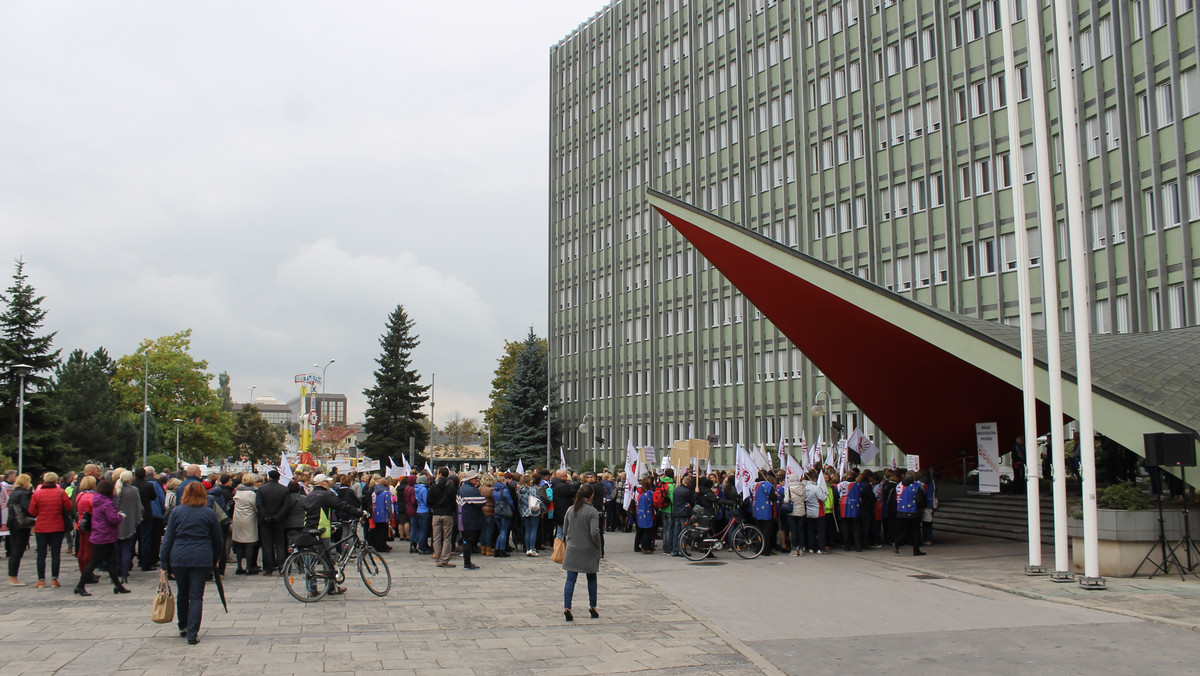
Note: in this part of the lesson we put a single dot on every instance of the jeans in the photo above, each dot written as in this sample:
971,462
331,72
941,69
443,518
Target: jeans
443,538
531,532
54,542
569,589
670,533
189,597
125,548
558,531
796,528
488,529
502,532
421,530
816,533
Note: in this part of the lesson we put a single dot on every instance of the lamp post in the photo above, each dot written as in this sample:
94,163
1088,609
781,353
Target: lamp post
583,427
546,408
178,422
21,370
819,412
145,409
321,399
252,388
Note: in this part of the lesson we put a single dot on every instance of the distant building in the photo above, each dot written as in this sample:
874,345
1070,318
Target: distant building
331,408
274,412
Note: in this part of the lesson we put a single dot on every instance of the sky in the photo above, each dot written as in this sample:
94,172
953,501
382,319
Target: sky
279,176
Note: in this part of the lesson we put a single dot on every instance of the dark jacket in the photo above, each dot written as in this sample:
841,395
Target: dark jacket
216,496
148,495
322,498
410,496
18,497
564,497
193,538
472,502
347,495
272,502
295,510
685,498
443,497
180,487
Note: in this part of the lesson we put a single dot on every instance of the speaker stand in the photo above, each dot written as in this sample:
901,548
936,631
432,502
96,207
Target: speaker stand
1188,544
1168,552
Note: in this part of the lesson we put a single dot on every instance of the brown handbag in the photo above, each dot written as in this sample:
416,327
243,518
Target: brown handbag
163,610
560,550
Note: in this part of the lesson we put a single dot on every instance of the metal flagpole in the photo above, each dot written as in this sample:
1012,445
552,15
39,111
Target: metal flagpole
1021,235
1050,291
1069,124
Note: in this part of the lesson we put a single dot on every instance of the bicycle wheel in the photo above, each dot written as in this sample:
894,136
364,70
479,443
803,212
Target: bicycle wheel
748,542
691,543
307,576
374,572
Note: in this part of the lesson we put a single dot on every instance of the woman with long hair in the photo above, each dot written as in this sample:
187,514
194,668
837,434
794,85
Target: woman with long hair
191,547
581,530
106,522
529,520
19,525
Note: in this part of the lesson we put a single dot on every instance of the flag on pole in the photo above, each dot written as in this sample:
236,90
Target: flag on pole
708,467
862,444
793,468
893,462
761,459
562,459
695,466
816,451
285,471
407,467
821,479
831,456
427,470
631,471
843,458
520,467
779,451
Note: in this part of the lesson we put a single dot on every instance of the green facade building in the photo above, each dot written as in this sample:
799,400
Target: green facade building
872,134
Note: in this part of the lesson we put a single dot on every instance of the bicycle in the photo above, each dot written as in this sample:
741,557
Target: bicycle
310,572
745,540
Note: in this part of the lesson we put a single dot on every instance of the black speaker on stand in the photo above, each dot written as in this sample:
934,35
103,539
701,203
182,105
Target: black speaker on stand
1171,450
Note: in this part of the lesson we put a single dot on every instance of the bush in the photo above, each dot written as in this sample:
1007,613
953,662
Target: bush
1126,496
161,462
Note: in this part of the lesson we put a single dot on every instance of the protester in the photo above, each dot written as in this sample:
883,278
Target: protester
273,508
910,500
472,502
319,507
20,525
581,529
529,506
191,546
795,497
442,504
504,508
128,502
106,523
51,507
84,495
382,508
421,521
644,540
245,526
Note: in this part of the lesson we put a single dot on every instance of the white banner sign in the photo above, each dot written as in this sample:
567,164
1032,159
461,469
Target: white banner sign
912,463
989,457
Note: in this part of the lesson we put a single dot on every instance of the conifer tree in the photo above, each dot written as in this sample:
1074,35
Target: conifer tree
394,404
521,410
85,399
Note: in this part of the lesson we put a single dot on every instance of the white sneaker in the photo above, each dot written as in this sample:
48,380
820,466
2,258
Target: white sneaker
535,553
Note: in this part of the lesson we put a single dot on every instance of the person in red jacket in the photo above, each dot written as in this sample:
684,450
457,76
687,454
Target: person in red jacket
50,505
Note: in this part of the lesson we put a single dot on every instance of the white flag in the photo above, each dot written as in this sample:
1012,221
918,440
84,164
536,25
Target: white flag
285,471
407,467
520,467
562,459
816,451
708,467
821,479
793,468
631,472
393,471
831,456
761,459
861,444
429,471
779,451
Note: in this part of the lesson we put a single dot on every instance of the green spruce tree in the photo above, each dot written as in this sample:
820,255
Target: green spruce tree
22,343
521,413
85,399
394,404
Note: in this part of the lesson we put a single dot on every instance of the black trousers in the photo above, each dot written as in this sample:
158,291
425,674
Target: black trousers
20,543
274,545
470,539
767,526
105,553
189,597
910,533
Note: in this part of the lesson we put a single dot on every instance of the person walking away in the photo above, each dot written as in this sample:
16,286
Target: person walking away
763,507
106,524
504,508
581,530
20,526
910,500
442,503
796,518
487,488
294,518
850,503
145,529
815,495
191,547
664,496
245,526
382,515
273,508
84,495
51,508
471,501
128,501
930,489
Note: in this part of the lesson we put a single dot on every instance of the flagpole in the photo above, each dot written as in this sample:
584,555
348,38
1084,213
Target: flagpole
1021,235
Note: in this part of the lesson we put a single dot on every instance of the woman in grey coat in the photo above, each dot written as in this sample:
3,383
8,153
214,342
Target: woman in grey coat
581,529
128,502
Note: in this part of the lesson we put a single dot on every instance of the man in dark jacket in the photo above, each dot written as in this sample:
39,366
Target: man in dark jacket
319,505
442,501
471,501
272,498
564,496
146,553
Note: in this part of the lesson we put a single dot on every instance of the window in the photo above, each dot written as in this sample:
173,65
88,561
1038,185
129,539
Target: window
843,215
843,148
1098,227
960,98
999,91
964,179
1029,162
1156,323
968,259
1106,37
1116,219
897,123
903,274
938,191
1193,194
837,20
1135,19
1085,49
1189,91
921,262
893,59
980,100
1091,135
956,31
860,212
855,76
839,83
1170,205
1102,321
1166,104
1158,14
987,257
1023,82
1003,171
1151,217
857,143
983,176
1008,249
1143,114
929,43
1123,316
941,266
1177,308
919,193
911,57
1112,132
974,23
933,114
1033,247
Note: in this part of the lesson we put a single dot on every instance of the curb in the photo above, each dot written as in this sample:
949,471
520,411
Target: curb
762,663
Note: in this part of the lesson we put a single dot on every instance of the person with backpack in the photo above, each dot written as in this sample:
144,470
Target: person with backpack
910,500
421,519
664,495
529,506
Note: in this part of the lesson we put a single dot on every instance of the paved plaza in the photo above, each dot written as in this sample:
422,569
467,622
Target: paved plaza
964,608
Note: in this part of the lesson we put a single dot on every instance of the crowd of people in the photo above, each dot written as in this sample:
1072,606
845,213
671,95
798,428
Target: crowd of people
195,525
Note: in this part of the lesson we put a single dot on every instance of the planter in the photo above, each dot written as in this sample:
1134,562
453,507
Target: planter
1125,536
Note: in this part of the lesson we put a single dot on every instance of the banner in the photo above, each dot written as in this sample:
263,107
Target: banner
562,459
648,451
285,471
912,463
989,457
861,444
631,471
520,467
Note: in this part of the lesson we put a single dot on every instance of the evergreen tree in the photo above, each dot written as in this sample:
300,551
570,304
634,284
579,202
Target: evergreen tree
257,439
522,414
85,399
394,404
224,393
20,343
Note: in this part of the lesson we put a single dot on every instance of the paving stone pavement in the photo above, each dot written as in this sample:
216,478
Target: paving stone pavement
505,618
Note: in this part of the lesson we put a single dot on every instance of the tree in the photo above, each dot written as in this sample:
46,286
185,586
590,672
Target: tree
520,432
223,392
394,404
20,343
179,388
501,382
459,430
257,439
84,397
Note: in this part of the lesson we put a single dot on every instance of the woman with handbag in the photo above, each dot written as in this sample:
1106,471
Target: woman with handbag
191,548
50,502
581,530
83,507
20,525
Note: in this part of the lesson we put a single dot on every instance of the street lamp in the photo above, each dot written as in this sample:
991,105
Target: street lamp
145,409
252,388
546,408
583,427
21,370
321,400
818,411
178,421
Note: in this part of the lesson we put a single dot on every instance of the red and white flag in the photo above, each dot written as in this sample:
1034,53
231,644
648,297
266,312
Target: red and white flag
631,477
862,444
782,455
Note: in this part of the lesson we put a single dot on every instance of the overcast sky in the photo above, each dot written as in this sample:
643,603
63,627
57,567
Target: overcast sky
278,176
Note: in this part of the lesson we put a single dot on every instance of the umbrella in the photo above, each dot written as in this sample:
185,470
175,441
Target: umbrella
220,590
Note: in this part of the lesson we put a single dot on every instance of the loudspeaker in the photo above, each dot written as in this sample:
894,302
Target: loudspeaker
1170,450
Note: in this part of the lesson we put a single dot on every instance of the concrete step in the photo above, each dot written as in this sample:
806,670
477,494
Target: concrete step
995,515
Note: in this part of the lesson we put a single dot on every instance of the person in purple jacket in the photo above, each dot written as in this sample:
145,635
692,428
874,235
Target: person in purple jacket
105,521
